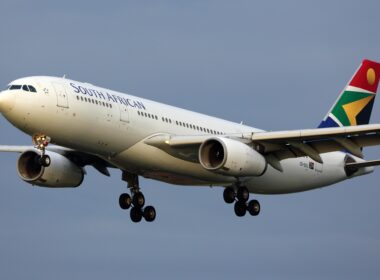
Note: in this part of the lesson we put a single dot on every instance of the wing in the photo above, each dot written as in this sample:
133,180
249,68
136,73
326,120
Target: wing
313,142
80,158
279,145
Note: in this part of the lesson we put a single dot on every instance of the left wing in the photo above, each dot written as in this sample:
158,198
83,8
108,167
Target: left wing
280,145
313,142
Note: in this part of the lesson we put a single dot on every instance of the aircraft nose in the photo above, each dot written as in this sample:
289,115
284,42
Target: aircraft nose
6,102
1,102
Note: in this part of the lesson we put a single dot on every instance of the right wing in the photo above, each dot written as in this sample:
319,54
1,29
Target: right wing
80,158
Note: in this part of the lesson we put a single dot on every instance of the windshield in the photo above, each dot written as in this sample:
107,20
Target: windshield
12,87
23,87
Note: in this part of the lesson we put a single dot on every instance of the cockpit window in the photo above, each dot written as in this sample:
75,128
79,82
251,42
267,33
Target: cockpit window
32,88
15,87
23,87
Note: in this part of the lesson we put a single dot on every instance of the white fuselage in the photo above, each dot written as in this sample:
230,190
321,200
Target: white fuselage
114,126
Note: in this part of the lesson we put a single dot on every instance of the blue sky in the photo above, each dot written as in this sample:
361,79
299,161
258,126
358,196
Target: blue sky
272,64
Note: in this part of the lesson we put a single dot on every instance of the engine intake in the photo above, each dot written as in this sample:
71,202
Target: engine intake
231,157
61,173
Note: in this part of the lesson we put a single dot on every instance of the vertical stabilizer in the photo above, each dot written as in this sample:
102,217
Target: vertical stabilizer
354,104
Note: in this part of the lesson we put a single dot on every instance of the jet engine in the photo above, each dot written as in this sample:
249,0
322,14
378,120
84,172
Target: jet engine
231,157
61,173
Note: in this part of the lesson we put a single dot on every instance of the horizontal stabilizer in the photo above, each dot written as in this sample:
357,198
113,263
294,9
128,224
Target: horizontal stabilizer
363,164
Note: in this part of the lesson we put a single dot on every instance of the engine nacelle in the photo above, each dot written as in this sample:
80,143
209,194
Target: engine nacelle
231,157
61,173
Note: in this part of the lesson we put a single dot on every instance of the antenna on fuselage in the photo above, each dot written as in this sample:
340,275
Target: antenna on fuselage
64,76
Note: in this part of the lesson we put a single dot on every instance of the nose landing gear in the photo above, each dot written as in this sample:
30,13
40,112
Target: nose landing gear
136,200
240,197
40,142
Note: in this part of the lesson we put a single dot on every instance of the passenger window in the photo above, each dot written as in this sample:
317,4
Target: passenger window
25,87
32,89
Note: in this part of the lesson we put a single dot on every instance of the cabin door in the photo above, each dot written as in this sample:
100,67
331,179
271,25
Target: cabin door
62,98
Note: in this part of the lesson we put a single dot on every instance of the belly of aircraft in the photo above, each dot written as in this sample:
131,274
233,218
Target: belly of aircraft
154,163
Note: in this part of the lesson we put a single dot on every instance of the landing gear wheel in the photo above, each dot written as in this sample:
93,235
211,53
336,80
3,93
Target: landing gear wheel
149,213
125,201
242,194
44,160
136,214
138,200
229,195
240,208
253,207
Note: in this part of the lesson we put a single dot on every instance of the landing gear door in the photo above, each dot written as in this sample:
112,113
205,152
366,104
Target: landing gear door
62,98
124,114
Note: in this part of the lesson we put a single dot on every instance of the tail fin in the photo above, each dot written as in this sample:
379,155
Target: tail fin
354,104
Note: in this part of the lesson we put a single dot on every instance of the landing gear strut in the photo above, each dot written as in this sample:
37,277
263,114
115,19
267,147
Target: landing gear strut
136,200
240,195
40,142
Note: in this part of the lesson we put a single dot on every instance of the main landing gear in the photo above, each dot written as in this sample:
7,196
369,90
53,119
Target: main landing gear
40,142
240,196
136,200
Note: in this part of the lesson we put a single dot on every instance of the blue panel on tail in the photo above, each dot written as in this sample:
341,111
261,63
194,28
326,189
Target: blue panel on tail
329,122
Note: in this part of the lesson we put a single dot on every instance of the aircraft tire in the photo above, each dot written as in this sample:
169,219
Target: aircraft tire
136,214
242,194
149,213
240,208
125,201
45,160
229,195
253,207
138,200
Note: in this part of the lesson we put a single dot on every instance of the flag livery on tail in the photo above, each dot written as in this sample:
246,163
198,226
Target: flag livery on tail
354,104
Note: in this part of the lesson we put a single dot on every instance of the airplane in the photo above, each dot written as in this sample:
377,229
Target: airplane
89,125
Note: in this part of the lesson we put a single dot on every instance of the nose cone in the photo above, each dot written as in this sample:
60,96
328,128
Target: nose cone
1,102
6,102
